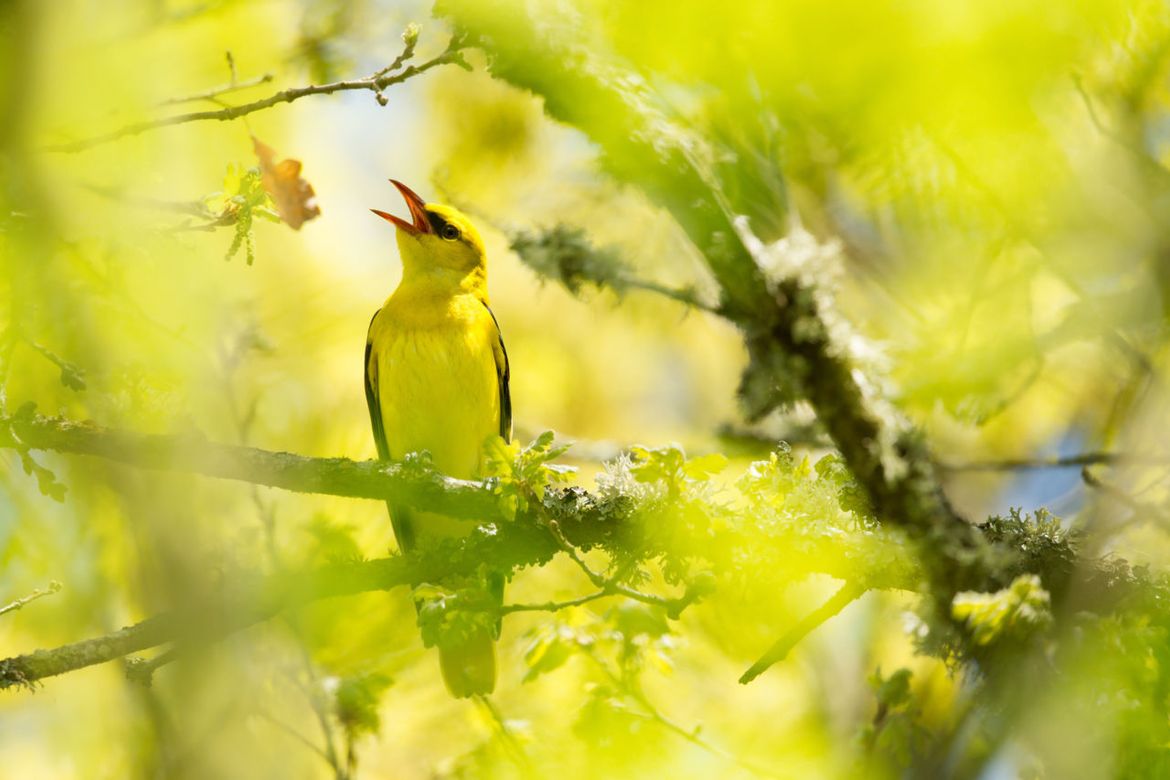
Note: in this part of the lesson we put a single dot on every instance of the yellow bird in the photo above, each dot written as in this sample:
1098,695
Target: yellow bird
436,375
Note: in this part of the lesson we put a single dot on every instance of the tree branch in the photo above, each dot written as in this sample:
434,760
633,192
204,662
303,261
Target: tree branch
407,482
555,606
848,593
376,83
207,619
1079,460
613,521
611,587
251,602
216,92
584,519
54,587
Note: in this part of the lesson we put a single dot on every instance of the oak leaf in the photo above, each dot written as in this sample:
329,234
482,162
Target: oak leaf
292,194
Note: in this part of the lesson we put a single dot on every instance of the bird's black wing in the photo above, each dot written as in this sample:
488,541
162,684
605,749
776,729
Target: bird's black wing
371,380
503,375
399,516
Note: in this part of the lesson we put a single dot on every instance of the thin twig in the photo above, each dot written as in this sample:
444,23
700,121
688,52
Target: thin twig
682,295
229,362
1144,157
191,208
225,614
632,689
54,587
555,606
68,370
1021,232
298,736
141,670
512,745
409,41
375,83
848,593
320,707
692,736
216,92
610,586
1139,508
1079,460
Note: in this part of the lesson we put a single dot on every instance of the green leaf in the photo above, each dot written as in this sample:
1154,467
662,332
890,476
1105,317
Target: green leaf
47,481
661,464
893,691
333,541
550,648
356,700
72,377
634,619
705,466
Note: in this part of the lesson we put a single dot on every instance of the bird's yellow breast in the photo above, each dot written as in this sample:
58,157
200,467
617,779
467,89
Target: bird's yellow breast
437,379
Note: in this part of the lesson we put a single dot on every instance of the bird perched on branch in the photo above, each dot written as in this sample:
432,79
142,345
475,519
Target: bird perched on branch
436,376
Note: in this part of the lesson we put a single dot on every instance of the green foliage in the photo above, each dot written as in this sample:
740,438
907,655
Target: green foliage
460,608
670,467
47,481
242,199
895,733
72,375
1119,668
629,638
356,701
332,541
552,644
520,475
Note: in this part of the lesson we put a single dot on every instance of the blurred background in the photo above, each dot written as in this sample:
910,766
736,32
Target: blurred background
990,175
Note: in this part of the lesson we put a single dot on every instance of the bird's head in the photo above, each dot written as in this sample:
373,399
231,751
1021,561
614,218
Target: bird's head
437,238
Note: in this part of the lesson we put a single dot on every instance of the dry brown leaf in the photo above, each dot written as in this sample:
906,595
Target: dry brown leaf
293,195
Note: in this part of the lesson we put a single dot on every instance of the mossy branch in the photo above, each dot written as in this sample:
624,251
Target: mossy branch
246,604
562,520
406,483
584,519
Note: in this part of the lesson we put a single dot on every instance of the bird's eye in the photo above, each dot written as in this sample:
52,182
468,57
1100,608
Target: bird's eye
449,232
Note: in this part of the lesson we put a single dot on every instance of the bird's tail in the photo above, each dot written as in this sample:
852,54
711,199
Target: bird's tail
469,668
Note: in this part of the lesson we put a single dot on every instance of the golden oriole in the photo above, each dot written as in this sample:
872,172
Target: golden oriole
436,376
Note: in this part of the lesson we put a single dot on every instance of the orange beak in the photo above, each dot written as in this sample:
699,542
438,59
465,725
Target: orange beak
418,212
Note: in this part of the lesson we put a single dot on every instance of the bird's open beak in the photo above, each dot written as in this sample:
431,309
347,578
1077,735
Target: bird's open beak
418,212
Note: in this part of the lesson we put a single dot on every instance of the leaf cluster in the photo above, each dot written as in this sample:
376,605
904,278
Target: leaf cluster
520,475
242,199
